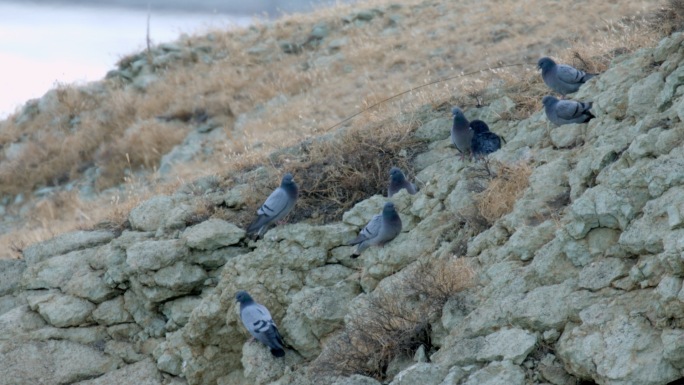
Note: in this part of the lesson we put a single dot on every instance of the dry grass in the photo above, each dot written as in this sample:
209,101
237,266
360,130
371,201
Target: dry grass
113,126
387,324
333,174
669,18
504,189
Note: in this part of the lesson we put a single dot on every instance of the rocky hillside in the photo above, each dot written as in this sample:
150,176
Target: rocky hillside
579,281
218,104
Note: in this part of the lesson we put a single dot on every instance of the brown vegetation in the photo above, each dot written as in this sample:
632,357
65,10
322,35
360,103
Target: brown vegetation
503,190
394,322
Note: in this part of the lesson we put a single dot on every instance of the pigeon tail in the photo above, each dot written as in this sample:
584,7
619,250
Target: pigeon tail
586,77
257,225
590,116
278,352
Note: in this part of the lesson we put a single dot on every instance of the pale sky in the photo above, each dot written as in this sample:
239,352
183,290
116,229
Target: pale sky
41,46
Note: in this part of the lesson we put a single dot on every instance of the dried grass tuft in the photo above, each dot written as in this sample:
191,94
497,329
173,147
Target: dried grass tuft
503,190
386,324
669,18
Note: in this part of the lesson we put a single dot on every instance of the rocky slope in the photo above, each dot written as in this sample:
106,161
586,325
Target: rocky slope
580,283
219,102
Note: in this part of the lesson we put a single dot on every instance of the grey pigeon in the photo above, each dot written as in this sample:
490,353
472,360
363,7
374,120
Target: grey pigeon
484,141
561,112
277,206
381,229
398,181
461,135
562,78
259,323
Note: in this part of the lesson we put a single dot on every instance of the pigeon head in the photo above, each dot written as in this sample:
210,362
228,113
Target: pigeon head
549,101
457,112
242,297
545,64
396,175
479,126
287,179
389,209
460,121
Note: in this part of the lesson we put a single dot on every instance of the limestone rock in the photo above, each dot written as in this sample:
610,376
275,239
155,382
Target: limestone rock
10,275
356,379
111,312
180,277
19,320
51,362
498,373
213,234
643,93
460,352
436,129
9,302
62,310
605,348
645,234
94,335
673,347
141,373
178,310
508,344
65,243
420,373
260,365
153,255
153,213
327,275
316,312
599,207
601,273
124,350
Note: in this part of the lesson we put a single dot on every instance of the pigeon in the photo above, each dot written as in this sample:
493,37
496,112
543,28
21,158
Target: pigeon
561,112
259,323
277,206
484,141
562,78
381,229
398,181
461,135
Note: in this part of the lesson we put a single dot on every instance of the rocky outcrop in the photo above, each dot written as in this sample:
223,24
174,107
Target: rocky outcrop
580,281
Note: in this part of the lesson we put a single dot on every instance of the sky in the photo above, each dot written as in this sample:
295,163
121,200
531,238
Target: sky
50,42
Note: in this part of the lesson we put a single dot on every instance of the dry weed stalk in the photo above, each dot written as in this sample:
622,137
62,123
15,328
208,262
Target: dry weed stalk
435,281
669,18
500,195
387,324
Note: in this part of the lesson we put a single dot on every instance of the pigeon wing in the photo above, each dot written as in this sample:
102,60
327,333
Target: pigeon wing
570,109
370,231
570,74
275,203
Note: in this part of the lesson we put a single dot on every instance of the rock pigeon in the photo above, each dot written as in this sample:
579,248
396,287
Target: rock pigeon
277,206
484,141
561,112
381,229
562,78
398,181
259,323
461,134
